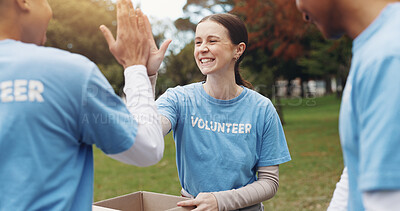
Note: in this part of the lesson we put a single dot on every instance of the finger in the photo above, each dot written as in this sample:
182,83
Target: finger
148,31
147,25
134,19
191,202
126,5
140,20
164,46
107,35
122,13
130,8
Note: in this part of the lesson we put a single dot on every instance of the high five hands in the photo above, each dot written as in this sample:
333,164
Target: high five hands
134,43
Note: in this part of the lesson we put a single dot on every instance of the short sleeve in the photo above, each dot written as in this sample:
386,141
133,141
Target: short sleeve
274,149
105,120
378,107
167,105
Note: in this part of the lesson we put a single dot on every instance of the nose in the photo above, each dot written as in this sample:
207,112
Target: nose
203,48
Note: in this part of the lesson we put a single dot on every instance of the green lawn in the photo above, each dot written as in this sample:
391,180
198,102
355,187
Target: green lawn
306,182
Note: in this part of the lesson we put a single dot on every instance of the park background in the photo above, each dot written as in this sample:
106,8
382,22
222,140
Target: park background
287,61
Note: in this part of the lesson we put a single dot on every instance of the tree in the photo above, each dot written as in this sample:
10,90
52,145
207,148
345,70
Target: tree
274,24
195,10
203,8
292,47
180,69
327,60
75,28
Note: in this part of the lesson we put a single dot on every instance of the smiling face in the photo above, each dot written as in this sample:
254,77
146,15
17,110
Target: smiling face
213,50
324,14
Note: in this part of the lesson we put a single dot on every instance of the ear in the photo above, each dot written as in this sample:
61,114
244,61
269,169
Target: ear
23,5
240,48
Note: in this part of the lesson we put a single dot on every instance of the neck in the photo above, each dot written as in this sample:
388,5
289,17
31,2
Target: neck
360,14
8,29
222,86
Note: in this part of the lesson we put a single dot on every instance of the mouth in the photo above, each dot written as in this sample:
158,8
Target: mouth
206,61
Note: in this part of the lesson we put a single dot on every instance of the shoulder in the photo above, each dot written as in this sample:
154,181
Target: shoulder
62,57
51,59
259,103
258,98
381,50
186,90
383,43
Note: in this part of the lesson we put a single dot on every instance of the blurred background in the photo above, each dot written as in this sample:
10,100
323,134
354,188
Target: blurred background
287,61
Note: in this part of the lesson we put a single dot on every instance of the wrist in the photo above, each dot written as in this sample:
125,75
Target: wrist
152,74
134,63
135,68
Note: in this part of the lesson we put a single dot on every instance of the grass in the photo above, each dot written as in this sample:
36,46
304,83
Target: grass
306,182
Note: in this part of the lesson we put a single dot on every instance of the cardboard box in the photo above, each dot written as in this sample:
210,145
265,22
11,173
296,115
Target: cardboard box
141,201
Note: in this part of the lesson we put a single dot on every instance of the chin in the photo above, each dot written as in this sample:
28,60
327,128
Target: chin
205,71
333,36
330,34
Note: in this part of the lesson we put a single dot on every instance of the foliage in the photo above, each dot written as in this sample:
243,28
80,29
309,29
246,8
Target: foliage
184,24
75,28
282,45
181,69
203,8
276,39
195,10
327,59
274,24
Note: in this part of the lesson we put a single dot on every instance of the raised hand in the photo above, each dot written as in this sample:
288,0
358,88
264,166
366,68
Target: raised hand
203,202
156,55
132,46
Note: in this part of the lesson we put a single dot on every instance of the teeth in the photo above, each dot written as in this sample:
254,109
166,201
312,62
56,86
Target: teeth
206,60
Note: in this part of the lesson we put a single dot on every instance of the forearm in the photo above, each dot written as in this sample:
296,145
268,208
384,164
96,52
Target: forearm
165,123
148,147
153,82
382,200
261,190
340,196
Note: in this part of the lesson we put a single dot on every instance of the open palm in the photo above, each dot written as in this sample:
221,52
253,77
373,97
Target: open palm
156,55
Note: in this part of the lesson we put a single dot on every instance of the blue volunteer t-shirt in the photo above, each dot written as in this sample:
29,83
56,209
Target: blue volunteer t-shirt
220,143
53,106
370,111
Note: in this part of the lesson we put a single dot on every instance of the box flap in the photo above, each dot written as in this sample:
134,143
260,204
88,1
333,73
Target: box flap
158,201
181,209
127,202
98,208
141,201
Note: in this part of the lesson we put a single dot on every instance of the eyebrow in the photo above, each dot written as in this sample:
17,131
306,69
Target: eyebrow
208,37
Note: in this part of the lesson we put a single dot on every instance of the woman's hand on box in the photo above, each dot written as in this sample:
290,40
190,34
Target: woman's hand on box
203,202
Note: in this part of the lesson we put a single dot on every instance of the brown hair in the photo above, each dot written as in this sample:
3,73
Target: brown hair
237,33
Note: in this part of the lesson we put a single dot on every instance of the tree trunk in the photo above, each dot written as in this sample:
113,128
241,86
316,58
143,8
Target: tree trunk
328,85
278,105
279,109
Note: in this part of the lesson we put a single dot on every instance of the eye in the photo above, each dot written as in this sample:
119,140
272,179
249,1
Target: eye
197,43
213,41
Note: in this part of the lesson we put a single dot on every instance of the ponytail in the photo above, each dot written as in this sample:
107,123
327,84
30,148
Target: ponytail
239,79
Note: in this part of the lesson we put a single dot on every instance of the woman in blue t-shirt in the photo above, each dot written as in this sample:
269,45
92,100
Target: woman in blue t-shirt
225,133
